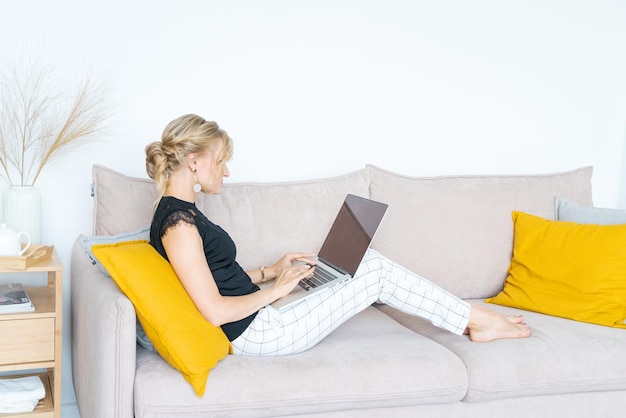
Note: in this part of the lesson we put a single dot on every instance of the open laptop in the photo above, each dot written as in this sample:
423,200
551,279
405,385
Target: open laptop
339,257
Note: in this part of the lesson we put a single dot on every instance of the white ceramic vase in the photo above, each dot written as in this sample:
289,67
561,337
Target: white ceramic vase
21,210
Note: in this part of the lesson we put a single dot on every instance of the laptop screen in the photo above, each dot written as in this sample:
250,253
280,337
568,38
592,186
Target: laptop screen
352,232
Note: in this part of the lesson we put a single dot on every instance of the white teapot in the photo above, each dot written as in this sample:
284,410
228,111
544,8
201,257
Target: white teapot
10,241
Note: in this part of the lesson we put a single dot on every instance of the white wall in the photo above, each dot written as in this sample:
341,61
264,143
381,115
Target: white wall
418,87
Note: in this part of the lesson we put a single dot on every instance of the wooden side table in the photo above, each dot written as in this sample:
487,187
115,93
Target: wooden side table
33,340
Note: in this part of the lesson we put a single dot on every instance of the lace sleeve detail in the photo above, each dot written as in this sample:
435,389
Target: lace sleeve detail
174,219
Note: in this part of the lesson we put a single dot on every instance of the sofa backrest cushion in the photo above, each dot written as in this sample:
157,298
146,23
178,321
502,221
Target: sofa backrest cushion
121,203
457,231
266,220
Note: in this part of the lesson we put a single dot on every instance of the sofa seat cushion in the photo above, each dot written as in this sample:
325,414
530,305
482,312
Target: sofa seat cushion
370,361
539,365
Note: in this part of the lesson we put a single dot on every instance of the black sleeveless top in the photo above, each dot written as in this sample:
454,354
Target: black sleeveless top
219,249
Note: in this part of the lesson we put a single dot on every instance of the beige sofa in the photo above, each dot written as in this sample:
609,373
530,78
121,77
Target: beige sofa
456,231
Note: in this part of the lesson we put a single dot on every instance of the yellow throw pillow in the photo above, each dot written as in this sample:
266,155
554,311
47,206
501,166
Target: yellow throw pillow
568,270
179,333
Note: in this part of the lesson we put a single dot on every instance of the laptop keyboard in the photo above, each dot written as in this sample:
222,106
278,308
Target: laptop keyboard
318,278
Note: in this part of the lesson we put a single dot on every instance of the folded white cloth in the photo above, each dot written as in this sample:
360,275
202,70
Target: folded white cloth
23,406
20,394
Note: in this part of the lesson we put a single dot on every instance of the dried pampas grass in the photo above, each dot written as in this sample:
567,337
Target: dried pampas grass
40,119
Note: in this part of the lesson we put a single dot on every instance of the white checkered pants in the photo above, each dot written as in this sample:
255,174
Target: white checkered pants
276,333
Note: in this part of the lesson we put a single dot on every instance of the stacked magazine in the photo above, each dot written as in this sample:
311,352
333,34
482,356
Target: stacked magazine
13,298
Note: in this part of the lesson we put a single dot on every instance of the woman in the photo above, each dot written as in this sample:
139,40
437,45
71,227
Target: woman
191,158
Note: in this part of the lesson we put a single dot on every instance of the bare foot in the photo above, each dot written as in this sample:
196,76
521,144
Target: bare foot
486,325
516,319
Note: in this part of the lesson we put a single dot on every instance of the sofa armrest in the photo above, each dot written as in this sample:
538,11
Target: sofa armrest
103,341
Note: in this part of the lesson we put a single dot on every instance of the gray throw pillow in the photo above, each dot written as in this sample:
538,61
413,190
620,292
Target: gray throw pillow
87,241
142,338
564,210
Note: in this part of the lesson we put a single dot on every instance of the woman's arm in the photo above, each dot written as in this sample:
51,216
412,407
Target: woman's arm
185,251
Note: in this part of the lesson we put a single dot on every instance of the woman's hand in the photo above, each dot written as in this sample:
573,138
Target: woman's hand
288,260
288,279
289,270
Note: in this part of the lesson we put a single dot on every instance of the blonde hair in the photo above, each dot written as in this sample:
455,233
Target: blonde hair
183,136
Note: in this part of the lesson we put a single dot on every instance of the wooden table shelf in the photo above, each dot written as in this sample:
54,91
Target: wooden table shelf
33,340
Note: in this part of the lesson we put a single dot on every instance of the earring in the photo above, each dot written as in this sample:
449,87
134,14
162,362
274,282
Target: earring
197,187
